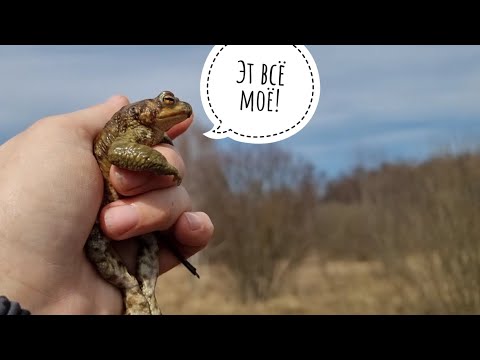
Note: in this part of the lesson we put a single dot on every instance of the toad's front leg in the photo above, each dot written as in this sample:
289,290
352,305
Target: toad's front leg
138,157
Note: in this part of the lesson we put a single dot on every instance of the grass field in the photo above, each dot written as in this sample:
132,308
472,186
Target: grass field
399,239
333,287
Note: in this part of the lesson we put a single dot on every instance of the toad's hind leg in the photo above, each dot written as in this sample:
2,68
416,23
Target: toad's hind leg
112,269
148,270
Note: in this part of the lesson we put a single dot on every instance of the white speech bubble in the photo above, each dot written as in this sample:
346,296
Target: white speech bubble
259,93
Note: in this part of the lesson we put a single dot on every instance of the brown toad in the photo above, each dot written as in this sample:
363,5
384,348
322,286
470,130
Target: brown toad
126,141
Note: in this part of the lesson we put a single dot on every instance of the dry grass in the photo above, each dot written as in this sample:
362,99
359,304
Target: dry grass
333,287
402,239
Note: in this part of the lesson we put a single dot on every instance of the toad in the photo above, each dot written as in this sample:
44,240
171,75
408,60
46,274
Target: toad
126,141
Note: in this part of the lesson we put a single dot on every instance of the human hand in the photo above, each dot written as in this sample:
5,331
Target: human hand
51,190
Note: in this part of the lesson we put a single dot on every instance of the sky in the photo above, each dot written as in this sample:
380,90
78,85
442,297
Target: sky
377,102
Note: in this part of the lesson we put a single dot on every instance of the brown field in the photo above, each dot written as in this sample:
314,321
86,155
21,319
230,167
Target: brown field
333,287
402,238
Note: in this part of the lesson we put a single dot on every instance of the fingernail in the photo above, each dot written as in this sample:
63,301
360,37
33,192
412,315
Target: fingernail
129,181
193,221
120,219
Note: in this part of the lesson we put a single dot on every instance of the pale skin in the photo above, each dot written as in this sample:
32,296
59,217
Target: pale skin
51,190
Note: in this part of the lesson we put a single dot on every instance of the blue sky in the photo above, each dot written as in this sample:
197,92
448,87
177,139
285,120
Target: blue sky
377,102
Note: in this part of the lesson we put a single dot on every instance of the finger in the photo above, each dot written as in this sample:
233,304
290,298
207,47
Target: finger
94,118
130,183
154,211
180,128
193,231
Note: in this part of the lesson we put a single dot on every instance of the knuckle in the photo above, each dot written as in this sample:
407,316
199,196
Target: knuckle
118,100
52,125
121,99
46,122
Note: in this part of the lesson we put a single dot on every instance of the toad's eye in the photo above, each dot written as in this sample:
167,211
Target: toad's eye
169,100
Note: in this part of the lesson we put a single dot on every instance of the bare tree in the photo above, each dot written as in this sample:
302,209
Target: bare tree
266,218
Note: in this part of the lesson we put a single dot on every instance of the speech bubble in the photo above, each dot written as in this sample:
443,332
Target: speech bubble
259,94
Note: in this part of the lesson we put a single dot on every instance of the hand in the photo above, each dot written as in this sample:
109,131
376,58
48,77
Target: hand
51,190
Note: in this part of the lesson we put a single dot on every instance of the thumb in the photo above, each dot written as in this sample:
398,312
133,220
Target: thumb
94,118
